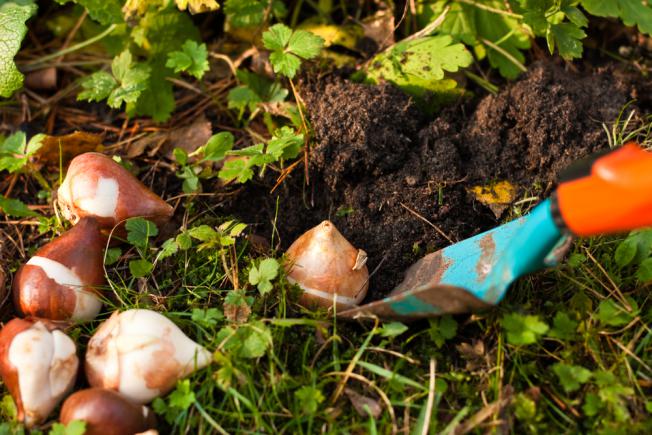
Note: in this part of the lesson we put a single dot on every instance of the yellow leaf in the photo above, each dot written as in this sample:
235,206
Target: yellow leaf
345,36
197,6
497,196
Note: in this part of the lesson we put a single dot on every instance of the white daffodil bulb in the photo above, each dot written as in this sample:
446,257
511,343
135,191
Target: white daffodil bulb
328,268
141,354
38,364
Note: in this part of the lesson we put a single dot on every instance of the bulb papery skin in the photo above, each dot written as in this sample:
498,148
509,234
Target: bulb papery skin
106,412
323,263
38,364
63,280
98,187
141,354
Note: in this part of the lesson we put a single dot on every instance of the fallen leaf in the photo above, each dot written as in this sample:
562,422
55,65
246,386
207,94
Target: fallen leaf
364,406
380,28
188,138
66,147
497,196
237,313
42,80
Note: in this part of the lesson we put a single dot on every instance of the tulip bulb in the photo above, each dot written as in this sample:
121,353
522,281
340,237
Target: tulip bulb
106,412
98,187
62,279
141,354
38,364
323,263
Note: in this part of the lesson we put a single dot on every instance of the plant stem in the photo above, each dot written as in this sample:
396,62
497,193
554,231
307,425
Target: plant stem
31,65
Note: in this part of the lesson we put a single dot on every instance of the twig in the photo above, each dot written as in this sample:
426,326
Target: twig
439,230
425,429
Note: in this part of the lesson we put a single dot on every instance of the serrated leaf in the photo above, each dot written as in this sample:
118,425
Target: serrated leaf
182,397
15,208
262,275
523,330
13,15
75,427
112,256
632,12
208,317
97,86
193,59
168,249
568,39
308,399
245,13
139,231
420,65
285,144
277,37
286,64
157,99
217,146
305,44
442,329
236,169
564,328
571,377
104,12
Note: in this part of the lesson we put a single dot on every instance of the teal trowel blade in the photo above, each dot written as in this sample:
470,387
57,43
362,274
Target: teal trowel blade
474,273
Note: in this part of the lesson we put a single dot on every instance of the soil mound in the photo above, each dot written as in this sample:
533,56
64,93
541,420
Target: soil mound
396,186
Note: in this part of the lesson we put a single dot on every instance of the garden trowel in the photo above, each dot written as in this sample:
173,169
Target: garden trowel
602,194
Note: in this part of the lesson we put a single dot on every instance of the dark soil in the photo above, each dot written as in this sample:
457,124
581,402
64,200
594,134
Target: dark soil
379,163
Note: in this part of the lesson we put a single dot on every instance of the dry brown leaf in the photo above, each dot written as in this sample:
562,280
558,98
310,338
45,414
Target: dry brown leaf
42,80
188,138
237,313
66,147
380,28
364,406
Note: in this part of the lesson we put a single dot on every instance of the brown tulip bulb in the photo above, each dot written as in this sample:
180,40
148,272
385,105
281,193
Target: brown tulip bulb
327,267
98,187
106,412
62,280
38,364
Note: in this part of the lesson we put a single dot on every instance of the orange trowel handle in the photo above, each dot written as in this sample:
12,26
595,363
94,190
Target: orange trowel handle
613,195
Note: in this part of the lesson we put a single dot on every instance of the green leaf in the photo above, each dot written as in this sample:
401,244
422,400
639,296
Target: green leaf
305,44
217,146
288,48
285,144
237,169
253,90
12,152
568,38
644,272
523,330
182,397
13,15
626,251
245,13
262,275
250,340
75,427
392,329
419,66
632,12
592,404
207,317
571,377
203,233
139,231
308,399
104,12
112,256
442,329
15,208
180,156
168,249
277,37
613,314
564,328
140,268
97,87
193,59
286,64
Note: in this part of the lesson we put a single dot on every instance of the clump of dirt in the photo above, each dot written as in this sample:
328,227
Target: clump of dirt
396,185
